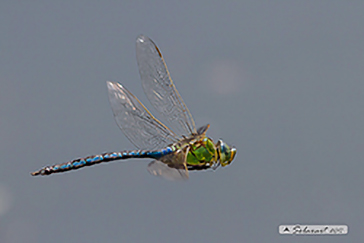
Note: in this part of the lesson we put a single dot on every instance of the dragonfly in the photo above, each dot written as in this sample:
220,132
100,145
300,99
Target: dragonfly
175,149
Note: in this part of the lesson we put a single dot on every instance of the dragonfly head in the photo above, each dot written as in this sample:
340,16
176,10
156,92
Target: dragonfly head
225,152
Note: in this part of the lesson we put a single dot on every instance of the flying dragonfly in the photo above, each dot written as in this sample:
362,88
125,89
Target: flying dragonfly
176,148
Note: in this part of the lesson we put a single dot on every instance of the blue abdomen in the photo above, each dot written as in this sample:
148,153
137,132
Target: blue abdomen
101,158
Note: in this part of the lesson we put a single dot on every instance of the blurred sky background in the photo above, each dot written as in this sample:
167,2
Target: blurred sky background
283,81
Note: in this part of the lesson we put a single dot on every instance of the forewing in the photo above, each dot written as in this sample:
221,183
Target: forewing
159,88
136,122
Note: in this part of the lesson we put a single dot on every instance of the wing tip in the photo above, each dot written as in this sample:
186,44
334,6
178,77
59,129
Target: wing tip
113,85
141,38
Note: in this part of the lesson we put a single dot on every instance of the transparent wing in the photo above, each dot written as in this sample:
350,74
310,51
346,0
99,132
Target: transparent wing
159,88
158,168
171,167
136,122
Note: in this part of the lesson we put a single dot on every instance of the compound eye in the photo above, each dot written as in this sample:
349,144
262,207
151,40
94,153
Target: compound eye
227,154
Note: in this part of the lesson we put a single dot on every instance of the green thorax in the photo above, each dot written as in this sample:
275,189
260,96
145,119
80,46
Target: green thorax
202,152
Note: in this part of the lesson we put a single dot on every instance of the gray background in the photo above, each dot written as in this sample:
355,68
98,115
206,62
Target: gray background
280,80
